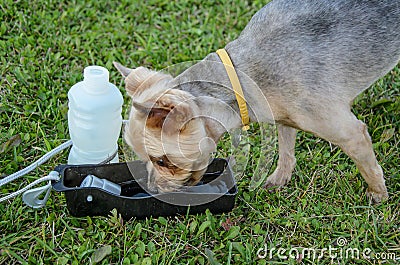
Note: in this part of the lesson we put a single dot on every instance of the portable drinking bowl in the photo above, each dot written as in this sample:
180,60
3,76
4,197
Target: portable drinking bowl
95,190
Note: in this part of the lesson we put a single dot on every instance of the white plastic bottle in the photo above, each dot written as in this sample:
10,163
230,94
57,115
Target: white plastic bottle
94,117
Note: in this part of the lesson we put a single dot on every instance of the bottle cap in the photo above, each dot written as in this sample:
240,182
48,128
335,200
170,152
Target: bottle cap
95,79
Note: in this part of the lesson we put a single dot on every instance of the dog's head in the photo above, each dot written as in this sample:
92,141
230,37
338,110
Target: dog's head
166,130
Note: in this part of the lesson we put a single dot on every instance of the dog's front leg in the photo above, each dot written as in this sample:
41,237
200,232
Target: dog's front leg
287,160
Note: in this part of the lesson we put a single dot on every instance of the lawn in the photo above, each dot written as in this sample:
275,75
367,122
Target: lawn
44,46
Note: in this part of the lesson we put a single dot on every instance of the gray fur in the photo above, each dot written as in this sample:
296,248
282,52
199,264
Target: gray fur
301,51
311,58
302,63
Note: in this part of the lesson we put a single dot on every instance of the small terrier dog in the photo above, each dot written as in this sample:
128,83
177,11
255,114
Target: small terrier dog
300,63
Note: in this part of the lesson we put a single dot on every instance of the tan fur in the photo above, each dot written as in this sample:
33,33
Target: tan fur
141,78
162,124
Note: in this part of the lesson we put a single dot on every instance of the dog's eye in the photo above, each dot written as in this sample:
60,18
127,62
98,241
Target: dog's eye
161,163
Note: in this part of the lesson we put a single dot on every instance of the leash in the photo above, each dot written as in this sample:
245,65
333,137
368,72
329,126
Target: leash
31,196
237,88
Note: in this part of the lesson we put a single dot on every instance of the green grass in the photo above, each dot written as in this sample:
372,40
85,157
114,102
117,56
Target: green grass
44,46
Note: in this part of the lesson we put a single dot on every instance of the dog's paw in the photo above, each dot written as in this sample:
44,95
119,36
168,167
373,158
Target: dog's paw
377,197
276,180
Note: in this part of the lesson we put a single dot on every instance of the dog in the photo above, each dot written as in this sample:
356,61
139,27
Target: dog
301,63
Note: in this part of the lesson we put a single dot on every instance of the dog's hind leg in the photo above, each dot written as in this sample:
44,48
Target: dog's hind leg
351,135
286,160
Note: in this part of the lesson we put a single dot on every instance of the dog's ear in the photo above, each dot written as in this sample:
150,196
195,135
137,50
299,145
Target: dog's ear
155,115
167,117
178,118
139,79
125,71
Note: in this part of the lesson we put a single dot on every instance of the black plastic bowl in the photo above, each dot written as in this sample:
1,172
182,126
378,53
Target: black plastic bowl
134,201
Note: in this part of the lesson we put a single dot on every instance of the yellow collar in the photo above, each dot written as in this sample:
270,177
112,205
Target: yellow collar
237,88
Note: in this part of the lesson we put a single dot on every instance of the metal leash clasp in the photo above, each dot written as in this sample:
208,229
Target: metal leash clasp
31,197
